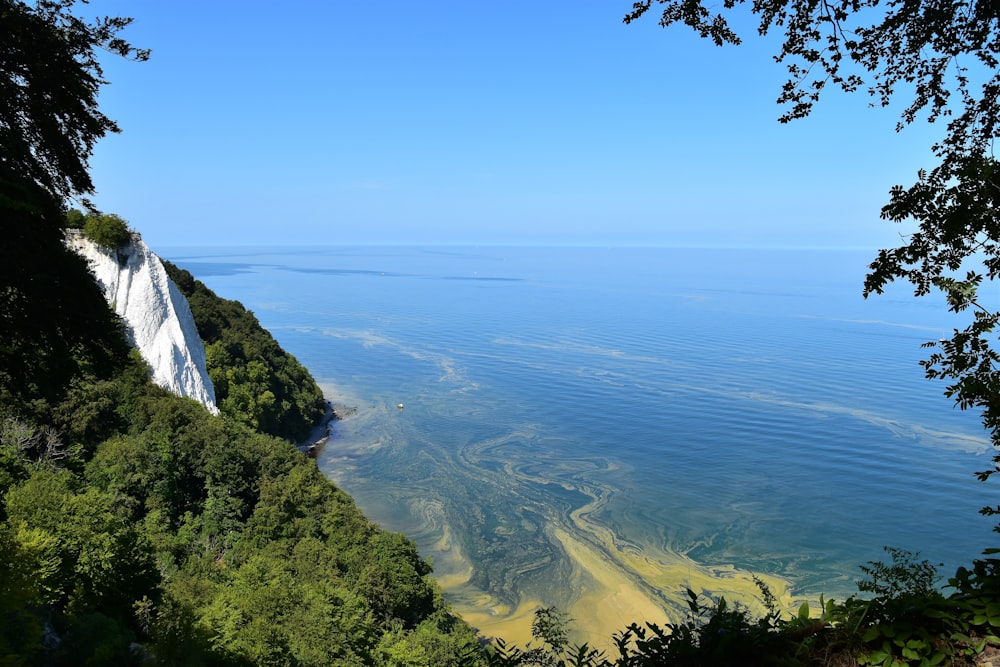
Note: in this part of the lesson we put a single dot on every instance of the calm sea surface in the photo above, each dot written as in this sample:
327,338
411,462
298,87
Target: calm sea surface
600,428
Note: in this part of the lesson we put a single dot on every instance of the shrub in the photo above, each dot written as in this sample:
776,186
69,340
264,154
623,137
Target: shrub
75,219
107,230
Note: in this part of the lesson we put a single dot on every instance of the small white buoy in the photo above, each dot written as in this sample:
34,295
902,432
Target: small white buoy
399,405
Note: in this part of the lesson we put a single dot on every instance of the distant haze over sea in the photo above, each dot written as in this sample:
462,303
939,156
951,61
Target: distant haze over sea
600,428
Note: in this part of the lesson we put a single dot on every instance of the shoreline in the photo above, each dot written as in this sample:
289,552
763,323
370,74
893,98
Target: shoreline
321,433
609,584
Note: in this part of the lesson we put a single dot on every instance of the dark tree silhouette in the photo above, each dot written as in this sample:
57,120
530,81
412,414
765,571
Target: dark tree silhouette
942,56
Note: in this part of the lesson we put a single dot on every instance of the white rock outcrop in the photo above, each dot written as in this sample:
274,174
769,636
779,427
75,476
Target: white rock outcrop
156,314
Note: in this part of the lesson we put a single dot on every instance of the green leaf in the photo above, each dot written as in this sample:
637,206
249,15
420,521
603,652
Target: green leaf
871,634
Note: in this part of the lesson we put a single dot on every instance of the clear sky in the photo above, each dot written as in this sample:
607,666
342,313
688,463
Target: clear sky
346,122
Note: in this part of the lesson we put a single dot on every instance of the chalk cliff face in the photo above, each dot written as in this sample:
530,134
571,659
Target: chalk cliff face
156,314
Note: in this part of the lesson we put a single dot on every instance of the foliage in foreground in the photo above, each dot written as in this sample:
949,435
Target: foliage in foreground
196,540
199,542
901,619
942,61
137,528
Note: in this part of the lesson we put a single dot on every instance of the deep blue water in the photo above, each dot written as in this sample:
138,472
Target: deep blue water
741,408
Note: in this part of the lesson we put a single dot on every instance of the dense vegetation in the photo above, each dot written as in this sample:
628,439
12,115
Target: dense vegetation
134,525
107,230
256,382
207,542
901,619
137,528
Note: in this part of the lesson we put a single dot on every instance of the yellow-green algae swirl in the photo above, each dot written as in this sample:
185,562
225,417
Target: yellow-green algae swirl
510,527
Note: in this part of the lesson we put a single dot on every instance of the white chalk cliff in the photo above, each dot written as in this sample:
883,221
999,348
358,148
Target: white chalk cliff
156,314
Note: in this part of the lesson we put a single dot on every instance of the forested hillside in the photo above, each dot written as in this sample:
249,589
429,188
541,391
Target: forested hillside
256,382
137,526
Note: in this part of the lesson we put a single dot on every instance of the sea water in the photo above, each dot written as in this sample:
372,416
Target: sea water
603,428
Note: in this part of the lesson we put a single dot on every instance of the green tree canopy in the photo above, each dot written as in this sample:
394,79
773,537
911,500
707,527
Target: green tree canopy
135,527
943,57
51,328
107,230
49,80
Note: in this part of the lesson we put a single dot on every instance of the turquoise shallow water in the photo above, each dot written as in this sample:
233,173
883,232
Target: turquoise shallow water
576,414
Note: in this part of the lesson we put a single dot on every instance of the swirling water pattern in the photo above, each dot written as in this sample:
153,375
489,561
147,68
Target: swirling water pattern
601,428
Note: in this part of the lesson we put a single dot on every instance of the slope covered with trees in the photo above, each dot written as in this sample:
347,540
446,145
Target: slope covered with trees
255,380
135,523
135,527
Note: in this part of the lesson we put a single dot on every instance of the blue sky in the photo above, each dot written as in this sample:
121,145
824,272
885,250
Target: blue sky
478,123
